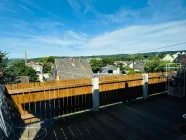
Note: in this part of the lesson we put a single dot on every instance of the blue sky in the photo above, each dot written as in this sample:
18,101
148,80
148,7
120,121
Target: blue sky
90,27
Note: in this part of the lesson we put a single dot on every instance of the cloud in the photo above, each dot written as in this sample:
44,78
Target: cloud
128,30
88,8
25,8
166,10
74,4
139,38
80,6
121,16
47,37
131,39
4,8
155,11
35,6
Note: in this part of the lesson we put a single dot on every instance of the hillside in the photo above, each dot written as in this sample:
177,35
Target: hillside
114,56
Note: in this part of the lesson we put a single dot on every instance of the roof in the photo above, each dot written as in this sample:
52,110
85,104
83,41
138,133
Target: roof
32,63
128,62
139,65
23,79
180,59
168,57
66,69
108,67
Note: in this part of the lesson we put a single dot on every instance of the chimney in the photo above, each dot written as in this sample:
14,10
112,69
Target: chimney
25,58
57,78
73,60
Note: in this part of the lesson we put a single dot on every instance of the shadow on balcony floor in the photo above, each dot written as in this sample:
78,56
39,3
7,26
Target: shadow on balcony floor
156,118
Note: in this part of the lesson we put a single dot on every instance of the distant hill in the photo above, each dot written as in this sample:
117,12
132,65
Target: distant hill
115,56
10,60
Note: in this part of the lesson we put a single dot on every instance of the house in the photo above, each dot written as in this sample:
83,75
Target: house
120,62
180,59
70,68
130,64
110,69
139,66
36,66
168,57
22,79
176,55
45,77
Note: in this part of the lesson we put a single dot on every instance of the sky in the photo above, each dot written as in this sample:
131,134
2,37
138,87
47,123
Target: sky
90,27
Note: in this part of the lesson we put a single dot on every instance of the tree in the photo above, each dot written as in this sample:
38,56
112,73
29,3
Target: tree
155,64
47,63
120,66
18,68
95,65
107,61
5,76
49,59
130,71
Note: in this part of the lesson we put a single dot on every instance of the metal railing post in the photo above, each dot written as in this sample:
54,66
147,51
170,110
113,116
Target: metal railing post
145,86
95,93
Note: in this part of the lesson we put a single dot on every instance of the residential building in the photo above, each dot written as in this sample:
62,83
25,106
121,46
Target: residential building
22,79
139,66
36,66
180,59
168,57
110,69
176,55
70,68
120,62
130,64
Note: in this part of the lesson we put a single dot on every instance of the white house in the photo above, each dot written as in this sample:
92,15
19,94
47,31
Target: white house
168,57
110,69
131,64
38,68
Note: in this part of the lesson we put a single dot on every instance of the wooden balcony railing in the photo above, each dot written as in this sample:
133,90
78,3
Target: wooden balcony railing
40,101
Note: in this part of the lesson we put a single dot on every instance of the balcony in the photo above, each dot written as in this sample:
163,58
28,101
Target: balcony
118,107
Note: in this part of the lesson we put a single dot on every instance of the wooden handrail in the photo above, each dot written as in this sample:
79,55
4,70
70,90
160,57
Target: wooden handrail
30,90
119,80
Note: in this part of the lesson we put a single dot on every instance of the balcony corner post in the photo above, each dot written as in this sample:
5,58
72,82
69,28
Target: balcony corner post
145,86
95,93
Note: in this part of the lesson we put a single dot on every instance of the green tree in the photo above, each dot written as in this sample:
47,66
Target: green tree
155,64
107,61
95,65
5,76
120,66
131,72
18,68
47,63
140,58
49,59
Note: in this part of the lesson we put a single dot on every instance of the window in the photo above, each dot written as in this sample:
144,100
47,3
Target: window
110,71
